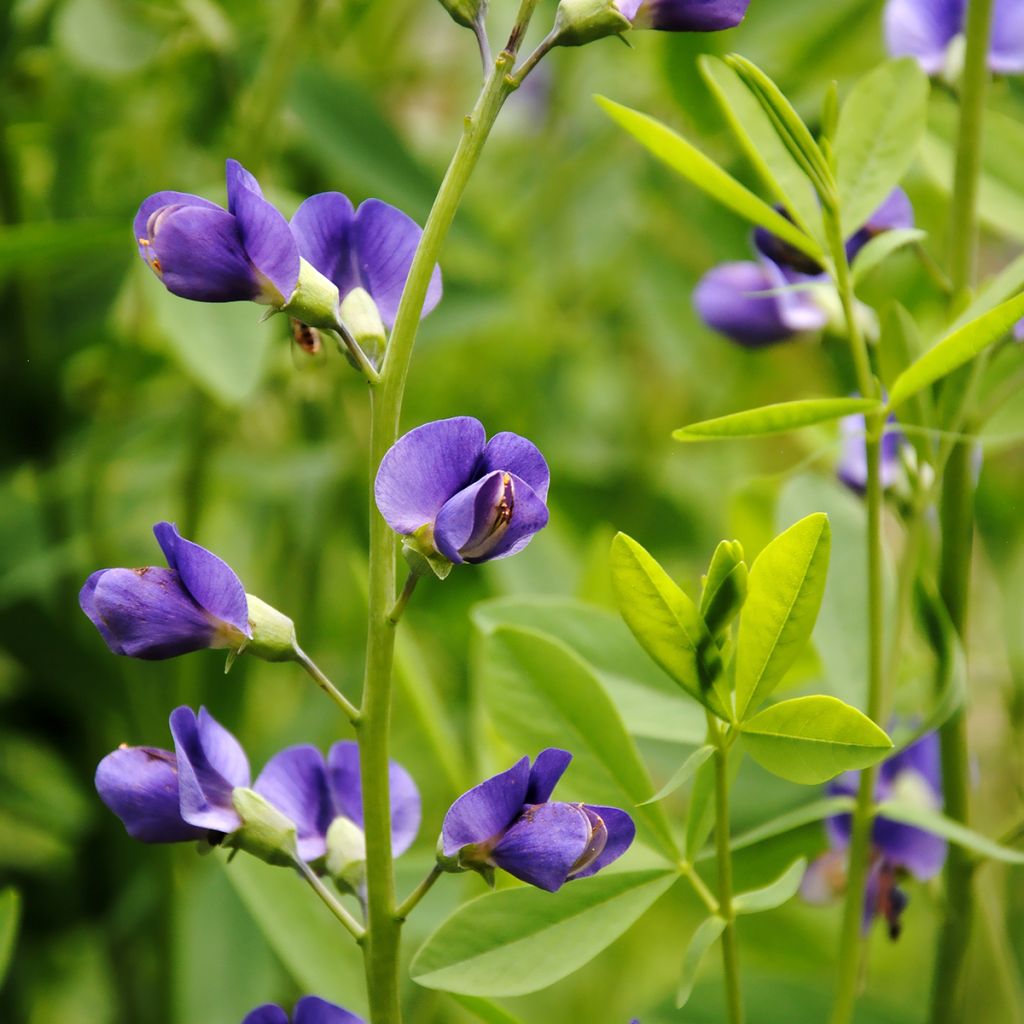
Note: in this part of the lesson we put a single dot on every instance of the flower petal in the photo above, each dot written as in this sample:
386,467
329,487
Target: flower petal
1006,53
314,1010
140,785
529,516
266,1014
696,15
545,842
548,767
322,227
87,602
923,29
295,782
924,756
486,811
426,467
921,853
265,234
621,832
514,454
385,243
147,613
723,301
157,201
209,579
471,519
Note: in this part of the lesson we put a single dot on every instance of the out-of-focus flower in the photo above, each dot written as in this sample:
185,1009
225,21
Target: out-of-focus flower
468,498
928,29
508,822
582,21
853,466
914,776
896,212
308,1010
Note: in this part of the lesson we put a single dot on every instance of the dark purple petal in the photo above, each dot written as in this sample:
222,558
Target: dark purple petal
211,764
548,767
385,243
1006,53
209,579
155,202
781,252
621,832
529,515
514,454
314,1010
140,785
475,519
895,212
198,253
853,464
544,844
696,15
266,237
146,613
923,29
923,757
426,467
266,1014
487,810
295,782
406,810
724,302
322,227
921,853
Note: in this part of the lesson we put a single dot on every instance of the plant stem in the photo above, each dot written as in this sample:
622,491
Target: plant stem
330,901
403,598
699,886
321,680
409,903
383,927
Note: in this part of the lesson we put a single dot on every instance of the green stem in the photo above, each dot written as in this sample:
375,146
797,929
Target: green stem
330,901
699,886
403,598
321,680
409,903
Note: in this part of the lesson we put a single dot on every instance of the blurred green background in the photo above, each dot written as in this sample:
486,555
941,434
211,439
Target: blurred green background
567,318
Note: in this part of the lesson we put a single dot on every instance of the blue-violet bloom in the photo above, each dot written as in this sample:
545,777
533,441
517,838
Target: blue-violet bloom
308,1010
852,469
684,15
913,775
468,498
508,822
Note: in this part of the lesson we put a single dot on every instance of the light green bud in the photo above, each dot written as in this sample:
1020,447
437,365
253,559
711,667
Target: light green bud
273,633
359,313
265,833
468,13
315,299
346,853
582,21
422,557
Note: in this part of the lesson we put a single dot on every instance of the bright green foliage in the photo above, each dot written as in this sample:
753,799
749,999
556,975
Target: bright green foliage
703,939
813,739
485,1010
787,582
724,587
521,940
774,419
881,247
683,773
773,895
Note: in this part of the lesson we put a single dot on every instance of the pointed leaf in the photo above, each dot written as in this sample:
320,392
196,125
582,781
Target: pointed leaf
724,587
940,825
813,739
666,623
787,582
783,889
10,914
520,940
774,419
683,773
703,939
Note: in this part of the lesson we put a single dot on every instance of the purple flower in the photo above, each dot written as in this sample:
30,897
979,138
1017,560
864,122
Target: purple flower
684,15
507,822
309,1010
853,466
468,498
925,29
370,249
154,613
896,212
913,775
202,251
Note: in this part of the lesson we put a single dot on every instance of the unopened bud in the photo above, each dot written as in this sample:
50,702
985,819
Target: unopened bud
359,313
468,13
315,299
273,633
266,833
582,21
346,853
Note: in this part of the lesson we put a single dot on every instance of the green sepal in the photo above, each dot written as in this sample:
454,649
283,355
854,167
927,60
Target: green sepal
578,22
346,853
315,299
273,633
265,833
423,558
359,313
468,13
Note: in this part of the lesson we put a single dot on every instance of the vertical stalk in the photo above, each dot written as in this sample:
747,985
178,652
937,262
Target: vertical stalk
957,515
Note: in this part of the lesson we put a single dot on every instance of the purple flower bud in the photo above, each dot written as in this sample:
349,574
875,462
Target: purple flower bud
154,613
687,15
202,251
508,822
308,1010
478,499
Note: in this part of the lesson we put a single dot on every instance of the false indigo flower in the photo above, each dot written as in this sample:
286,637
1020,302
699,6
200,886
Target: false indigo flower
913,775
582,21
926,29
308,1010
202,251
468,498
154,613
853,466
507,822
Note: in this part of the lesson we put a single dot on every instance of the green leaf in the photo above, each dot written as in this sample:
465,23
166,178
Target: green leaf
693,165
666,623
10,914
881,247
813,739
774,419
956,349
485,1010
940,825
787,582
520,940
724,587
539,693
1007,283
703,939
880,128
783,889
683,773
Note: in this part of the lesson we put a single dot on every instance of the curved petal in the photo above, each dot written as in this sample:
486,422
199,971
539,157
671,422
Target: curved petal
838,826
266,1014
487,810
406,809
696,15
474,519
548,767
545,842
322,227
529,516
204,788
385,243
265,234
209,579
923,29
148,613
295,782
140,785
921,853
1006,53
798,310
896,211
514,454
197,253
724,302
621,832
424,468
158,200
87,602
314,1010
